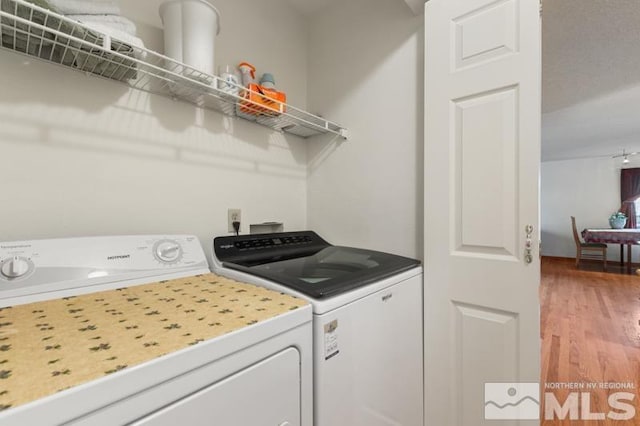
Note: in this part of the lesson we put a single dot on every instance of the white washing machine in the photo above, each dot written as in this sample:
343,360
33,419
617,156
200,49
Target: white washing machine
367,321
256,373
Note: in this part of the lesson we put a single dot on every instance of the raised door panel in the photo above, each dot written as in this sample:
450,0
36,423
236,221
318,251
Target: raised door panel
486,347
485,174
486,33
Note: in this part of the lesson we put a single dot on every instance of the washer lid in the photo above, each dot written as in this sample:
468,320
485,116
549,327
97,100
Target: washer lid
329,271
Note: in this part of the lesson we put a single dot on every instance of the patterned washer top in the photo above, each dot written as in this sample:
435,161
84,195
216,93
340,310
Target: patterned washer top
49,346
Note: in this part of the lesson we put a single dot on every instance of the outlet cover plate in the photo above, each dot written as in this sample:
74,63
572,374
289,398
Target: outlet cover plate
234,215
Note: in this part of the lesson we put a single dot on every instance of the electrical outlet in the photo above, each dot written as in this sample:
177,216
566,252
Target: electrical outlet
233,215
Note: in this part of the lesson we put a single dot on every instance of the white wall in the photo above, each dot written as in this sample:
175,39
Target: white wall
588,189
85,156
271,35
366,70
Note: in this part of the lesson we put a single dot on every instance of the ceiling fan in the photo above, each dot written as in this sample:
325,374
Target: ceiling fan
625,156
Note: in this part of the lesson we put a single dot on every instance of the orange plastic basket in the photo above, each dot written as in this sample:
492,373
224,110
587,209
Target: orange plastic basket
261,101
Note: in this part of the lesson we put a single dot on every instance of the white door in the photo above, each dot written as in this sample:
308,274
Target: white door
482,155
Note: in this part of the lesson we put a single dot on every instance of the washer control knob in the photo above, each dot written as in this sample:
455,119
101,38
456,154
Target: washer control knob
167,251
15,267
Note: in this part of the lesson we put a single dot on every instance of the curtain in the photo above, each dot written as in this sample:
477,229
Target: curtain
629,192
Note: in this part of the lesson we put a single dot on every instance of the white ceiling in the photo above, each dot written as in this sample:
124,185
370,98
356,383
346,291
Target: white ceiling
591,77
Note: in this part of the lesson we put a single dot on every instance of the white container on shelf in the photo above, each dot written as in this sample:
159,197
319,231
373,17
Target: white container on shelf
190,29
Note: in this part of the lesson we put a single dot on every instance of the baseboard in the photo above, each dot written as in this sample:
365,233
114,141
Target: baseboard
573,259
544,256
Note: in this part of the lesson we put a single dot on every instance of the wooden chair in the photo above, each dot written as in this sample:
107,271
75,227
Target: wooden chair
592,251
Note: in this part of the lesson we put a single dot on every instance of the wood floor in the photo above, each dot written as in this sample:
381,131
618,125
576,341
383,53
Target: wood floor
590,333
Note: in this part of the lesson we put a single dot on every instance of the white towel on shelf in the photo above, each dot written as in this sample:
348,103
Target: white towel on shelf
86,7
116,22
122,36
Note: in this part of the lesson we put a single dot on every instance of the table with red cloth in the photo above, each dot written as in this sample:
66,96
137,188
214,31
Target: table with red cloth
628,237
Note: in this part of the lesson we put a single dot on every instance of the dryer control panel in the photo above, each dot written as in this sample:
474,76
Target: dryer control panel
38,266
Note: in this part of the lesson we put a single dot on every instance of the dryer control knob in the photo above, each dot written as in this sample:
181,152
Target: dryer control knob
167,251
15,267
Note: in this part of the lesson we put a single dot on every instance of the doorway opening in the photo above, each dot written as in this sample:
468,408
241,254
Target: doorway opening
590,326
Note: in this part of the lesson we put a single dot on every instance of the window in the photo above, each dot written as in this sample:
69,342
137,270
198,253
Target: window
637,204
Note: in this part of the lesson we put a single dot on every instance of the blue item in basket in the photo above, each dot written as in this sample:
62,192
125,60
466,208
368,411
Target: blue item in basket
268,81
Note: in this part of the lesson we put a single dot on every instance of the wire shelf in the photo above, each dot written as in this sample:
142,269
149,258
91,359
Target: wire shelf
41,33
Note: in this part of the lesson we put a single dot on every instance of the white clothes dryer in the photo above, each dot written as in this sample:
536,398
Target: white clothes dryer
76,313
